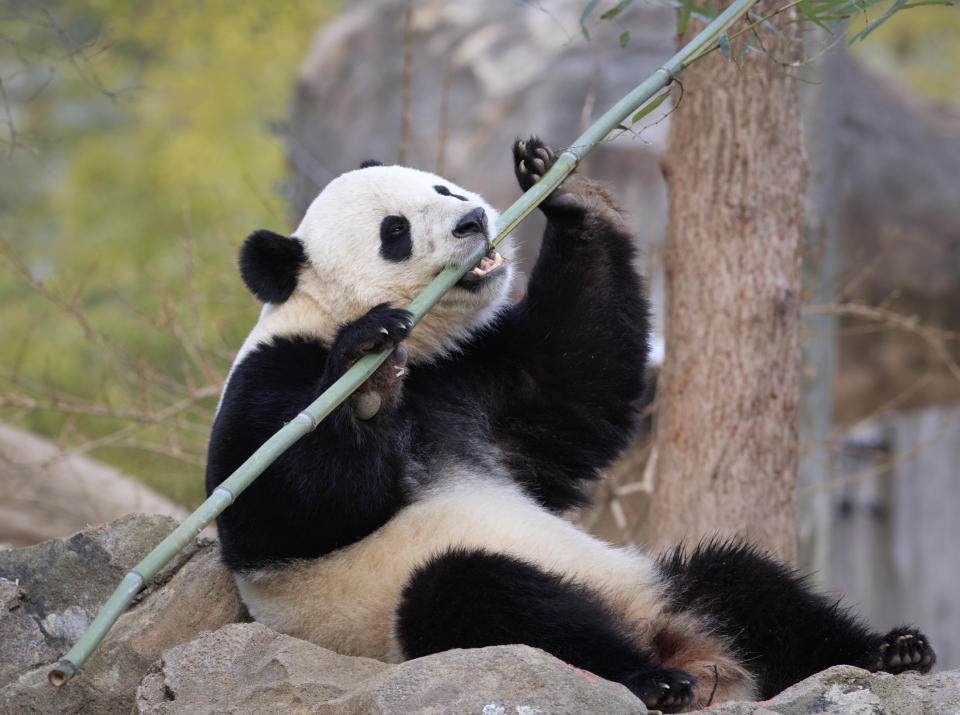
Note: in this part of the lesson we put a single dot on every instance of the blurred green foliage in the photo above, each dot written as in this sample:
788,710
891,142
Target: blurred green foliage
138,154
920,48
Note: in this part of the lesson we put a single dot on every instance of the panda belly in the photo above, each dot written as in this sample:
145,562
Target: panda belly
347,600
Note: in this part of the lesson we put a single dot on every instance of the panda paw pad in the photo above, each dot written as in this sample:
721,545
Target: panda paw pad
665,689
905,649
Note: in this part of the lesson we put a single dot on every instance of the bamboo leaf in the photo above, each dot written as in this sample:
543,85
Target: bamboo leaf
650,106
806,11
876,23
773,28
613,12
683,17
724,43
591,6
822,7
927,2
746,48
705,12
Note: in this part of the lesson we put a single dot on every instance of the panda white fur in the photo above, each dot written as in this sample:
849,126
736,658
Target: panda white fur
424,513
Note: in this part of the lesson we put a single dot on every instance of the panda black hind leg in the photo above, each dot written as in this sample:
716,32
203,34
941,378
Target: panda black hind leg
471,598
783,630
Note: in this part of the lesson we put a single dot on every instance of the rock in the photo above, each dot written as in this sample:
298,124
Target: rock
46,492
182,646
51,591
846,689
250,668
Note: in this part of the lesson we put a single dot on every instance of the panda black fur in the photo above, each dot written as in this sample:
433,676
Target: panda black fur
423,514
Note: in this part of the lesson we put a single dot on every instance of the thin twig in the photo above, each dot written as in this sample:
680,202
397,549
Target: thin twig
934,337
407,82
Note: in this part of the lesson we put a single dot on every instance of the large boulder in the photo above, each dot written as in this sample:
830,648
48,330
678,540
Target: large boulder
180,649
845,689
249,668
48,492
50,592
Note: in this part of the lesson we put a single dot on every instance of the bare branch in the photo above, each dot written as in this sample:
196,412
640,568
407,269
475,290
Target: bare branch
936,338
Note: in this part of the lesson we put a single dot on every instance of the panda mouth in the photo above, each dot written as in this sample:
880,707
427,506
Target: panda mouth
487,266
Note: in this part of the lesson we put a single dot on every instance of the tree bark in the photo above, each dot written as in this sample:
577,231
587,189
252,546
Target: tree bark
726,442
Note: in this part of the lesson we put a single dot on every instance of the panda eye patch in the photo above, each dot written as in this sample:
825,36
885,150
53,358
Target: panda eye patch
396,243
444,191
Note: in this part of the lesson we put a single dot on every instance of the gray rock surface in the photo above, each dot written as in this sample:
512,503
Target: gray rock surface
50,592
248,668
853,691
47,492
179,649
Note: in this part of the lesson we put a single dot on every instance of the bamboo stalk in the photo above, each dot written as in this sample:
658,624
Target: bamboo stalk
307,420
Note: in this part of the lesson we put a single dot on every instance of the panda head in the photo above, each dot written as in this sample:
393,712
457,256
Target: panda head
373,235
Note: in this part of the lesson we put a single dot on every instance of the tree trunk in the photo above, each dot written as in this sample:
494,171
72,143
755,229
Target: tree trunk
726,443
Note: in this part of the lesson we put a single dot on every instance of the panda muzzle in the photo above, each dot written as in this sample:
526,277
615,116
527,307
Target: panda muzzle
471,224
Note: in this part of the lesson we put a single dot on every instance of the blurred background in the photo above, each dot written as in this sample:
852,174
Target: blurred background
141,142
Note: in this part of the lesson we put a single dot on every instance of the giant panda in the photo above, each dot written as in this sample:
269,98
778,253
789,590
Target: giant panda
426,512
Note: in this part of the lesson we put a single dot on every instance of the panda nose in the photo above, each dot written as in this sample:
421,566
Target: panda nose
471,223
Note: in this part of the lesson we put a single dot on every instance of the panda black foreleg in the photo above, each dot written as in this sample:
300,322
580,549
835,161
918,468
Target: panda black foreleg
574,348
581,329
474,598
584,277
783,630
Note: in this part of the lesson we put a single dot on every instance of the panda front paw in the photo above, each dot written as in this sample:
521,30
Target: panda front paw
531,160
381,328
904,649
666,689
577,199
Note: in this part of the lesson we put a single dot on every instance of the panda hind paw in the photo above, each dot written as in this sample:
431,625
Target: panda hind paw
666,689
905,649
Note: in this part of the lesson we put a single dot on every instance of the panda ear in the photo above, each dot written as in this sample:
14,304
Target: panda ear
270,263
370,162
